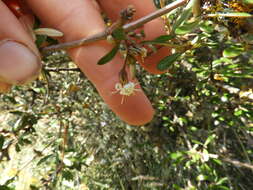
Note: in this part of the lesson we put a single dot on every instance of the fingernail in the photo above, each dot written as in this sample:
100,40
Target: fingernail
18,64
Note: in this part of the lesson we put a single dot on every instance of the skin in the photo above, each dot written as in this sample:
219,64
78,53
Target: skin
152,29
82,18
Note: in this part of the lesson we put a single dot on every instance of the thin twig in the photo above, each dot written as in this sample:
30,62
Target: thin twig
127,27
238,163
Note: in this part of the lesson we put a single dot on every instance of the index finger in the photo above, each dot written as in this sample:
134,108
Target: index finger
78,19
152,29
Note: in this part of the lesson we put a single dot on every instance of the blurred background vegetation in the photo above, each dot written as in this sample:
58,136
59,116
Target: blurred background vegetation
57,133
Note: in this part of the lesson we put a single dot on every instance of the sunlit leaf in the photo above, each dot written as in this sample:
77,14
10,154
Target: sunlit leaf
176,155
222,181
202,177
232,51
209,139
207,27
187,27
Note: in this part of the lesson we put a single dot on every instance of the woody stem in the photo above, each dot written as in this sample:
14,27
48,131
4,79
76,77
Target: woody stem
127,27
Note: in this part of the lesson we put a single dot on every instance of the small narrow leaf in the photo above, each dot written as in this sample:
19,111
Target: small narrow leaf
249,2
44,159
160,39
207,26
166,62
109,56
164,38
187,27
3,187
1,142
184,16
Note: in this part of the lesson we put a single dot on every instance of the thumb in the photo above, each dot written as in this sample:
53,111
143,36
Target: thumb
20,60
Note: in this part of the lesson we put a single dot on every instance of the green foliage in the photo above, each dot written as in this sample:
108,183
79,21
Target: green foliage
160,39
119,34
166,62
108,57
201,136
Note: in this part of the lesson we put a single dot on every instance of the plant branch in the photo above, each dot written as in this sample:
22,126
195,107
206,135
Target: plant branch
160,12
127,27
238,163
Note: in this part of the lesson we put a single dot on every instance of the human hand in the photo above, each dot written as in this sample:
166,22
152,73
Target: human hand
77,19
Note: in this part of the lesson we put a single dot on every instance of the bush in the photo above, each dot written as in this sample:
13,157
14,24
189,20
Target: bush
57,133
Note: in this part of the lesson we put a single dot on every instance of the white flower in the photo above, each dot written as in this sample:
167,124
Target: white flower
127,89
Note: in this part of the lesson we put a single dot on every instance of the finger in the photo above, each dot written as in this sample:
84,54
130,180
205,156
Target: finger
19,57
152,29
78,19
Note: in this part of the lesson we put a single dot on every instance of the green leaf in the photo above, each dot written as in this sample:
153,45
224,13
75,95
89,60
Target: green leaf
232,51
3,187
119,34
67,175
109,56
207,26
231,14
249,2
160,39
222,181
44,159
19,113
217,161
187,27
17,148
248,38
176,155
184,16
202,177
1,142
209,139
40,39
166,62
